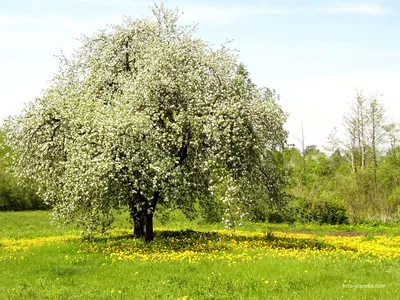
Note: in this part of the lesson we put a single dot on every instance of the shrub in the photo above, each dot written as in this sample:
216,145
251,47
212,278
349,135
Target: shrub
320,211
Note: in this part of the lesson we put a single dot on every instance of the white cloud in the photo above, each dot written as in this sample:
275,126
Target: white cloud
225,15
118,3
386,54
50,33
228,14
364,8
60,21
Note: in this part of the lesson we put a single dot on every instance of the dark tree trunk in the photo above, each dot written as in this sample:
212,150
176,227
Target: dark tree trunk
148,227
138,224
143,219
143,225
136,218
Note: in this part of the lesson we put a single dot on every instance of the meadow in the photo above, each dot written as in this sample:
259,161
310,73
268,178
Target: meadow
191,260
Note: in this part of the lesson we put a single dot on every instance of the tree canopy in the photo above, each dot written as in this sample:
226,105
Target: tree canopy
145,114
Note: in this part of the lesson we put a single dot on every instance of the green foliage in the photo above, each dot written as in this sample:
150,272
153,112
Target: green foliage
212,209
314,183
320,211
15,197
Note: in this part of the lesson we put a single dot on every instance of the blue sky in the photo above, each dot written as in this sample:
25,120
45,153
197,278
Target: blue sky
314,53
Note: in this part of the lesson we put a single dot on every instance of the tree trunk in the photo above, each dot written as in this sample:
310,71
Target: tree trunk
138,224
143,218
143,225
148,232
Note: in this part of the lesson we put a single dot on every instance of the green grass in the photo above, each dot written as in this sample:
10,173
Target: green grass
61,270
24,224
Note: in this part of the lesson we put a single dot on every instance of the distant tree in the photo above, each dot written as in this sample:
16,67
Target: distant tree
393,134
146,115
333,144
377,131
311,149
356,122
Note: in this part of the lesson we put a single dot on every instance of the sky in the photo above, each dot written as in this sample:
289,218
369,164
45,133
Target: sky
315,54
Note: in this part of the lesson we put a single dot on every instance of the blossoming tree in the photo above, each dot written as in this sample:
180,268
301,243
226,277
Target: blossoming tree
145,114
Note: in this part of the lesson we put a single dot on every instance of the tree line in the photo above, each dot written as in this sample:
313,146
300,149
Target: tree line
357,173
354,179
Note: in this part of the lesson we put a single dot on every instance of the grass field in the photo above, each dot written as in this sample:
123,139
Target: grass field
190,260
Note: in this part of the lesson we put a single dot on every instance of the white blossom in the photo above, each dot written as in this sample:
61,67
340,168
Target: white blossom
144,112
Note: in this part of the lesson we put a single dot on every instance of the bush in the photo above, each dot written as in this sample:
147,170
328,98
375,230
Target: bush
320,211
16,197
